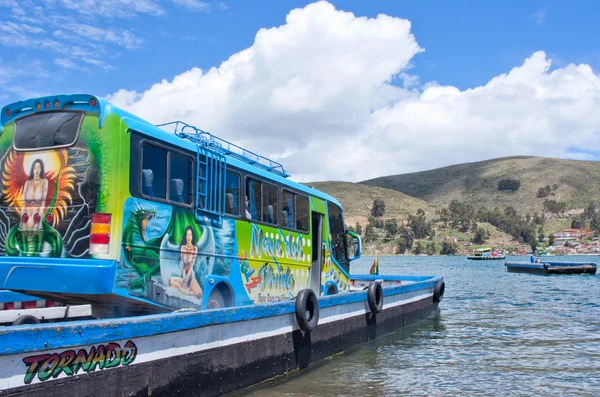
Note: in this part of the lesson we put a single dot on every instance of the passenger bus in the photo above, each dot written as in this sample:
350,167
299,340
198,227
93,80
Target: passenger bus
101,207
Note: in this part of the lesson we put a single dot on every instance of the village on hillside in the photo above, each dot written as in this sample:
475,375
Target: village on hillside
459,230
566,242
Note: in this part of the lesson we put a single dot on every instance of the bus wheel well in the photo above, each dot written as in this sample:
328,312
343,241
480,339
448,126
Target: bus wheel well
220,296
330,288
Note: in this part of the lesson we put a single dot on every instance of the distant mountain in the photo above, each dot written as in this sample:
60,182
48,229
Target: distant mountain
575,183
357,200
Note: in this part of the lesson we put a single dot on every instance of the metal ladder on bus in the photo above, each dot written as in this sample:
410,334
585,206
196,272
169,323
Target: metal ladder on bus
211,168
227,148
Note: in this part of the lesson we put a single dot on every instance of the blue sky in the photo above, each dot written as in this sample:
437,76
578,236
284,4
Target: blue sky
65,46
466,42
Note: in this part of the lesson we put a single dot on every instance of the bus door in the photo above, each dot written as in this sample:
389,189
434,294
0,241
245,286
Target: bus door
318,254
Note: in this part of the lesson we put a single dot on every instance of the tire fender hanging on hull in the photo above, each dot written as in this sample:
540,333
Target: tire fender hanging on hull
375,297
438,291
307,310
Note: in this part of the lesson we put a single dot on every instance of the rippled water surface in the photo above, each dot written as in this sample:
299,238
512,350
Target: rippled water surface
498,333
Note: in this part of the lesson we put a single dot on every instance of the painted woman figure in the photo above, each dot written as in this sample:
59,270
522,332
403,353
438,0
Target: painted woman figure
187,283
35,193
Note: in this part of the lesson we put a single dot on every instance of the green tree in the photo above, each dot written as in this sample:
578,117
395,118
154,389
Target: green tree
541,234
578,222
544,191
539,220
391,226
376,222
461,214
431,249
551,239
509,184
370,234
448,248
595,222
464,225
378,209
402,245
358,229
591,210
554,206
480,236
533,244
419,225
405,241
418,249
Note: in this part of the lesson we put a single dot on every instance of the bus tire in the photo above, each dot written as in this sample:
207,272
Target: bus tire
375,297
307,310
26,319
438,291
215,300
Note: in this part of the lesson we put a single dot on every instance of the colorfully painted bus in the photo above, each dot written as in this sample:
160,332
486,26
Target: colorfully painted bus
99,206
204,267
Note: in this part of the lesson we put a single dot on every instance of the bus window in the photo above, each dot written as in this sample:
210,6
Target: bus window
302,213
180,172
154,171
288,209
253,197
47,130
338,237
270,207
232,193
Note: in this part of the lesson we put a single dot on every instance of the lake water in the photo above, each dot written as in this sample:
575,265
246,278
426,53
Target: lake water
497,334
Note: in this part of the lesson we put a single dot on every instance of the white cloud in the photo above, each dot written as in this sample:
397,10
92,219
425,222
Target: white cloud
65,63
29,30
110,8
539,16
117,36
316,93
194,5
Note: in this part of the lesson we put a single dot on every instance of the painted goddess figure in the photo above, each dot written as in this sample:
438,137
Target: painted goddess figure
35,193
187,283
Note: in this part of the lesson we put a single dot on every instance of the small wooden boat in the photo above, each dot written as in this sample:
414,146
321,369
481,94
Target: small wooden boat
485,254
552,267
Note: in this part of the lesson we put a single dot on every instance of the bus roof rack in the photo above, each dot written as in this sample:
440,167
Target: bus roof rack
200,137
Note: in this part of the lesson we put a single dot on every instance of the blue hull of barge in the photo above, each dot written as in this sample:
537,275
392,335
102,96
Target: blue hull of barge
203,353
546,267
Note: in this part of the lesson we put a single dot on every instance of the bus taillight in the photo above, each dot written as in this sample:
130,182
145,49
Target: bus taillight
100,234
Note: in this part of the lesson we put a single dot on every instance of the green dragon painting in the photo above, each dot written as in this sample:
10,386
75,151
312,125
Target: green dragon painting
147,255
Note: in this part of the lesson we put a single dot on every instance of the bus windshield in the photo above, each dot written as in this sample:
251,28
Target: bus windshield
338,237
47,130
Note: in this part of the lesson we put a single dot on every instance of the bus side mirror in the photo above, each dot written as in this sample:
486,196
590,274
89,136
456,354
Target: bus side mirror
354,239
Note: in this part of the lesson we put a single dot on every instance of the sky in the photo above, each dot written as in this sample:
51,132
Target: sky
339,90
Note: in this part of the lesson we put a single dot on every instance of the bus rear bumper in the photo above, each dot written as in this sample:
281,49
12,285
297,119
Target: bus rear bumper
58,275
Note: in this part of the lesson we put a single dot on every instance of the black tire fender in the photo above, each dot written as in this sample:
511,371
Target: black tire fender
375,297
307,310
438,291
26,319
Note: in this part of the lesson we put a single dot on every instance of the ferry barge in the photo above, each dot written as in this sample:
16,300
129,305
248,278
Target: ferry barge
545,267
204,267
481,254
